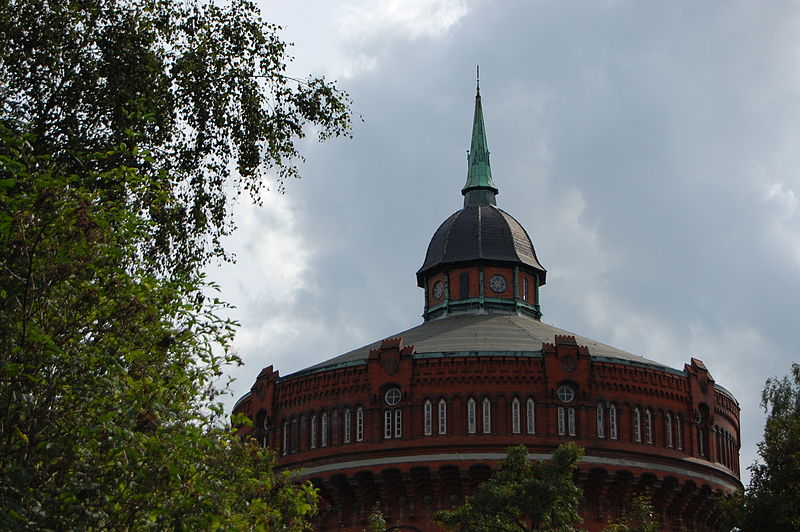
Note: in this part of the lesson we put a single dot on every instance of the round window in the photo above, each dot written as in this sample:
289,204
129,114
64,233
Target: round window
566,394
392,396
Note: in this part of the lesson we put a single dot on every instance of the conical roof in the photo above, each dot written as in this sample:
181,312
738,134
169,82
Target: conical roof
479,171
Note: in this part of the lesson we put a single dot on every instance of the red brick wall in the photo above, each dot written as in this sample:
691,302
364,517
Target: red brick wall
502,378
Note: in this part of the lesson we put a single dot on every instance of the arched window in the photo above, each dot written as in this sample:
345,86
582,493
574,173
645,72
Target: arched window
323,436
312,443
387,424
524,288
262,426
668,429
346,421
601,421
487,416
678,432
398,423
637,425
428,415
359,424
393,423
702,431
648,426
612,421
566,415
515,424
571,421
285,439
471,422
530,414
463,285
442,417
393,416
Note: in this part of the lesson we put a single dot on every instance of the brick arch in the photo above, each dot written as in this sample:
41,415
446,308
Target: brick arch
477,473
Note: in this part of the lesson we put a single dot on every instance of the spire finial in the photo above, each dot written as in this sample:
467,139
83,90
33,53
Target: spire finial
480,189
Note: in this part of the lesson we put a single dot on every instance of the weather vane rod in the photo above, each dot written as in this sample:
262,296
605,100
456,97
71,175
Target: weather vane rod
478,76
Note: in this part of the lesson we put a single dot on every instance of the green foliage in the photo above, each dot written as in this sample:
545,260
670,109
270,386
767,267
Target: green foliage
730,509
192,94
523,496
107,374
772,501
125,127
639,518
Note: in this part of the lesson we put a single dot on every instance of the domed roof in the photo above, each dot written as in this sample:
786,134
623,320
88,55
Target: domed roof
480,232
485,335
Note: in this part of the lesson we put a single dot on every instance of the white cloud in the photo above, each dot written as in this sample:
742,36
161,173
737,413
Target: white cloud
413,19
783,207
576,246
371,28
272,270
633,330
274,251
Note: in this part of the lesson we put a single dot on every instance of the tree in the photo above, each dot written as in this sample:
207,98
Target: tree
375,520
640,517
126,128
201,88
772,500
523,496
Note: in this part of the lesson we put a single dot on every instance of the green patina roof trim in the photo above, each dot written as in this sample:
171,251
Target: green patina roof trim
647,365
453,354
479,172
510,302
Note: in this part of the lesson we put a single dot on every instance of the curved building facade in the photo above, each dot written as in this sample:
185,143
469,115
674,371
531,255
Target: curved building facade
416,421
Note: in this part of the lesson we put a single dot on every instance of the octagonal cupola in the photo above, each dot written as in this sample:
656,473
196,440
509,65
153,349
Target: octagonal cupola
480,259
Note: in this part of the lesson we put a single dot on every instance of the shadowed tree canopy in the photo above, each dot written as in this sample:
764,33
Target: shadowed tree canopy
126,128
523,496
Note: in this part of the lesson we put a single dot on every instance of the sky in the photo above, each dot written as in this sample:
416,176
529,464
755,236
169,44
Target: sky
650,149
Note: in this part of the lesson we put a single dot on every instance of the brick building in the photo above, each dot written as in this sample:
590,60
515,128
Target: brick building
418,420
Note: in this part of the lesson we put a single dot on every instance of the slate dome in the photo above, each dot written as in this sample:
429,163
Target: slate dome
479,233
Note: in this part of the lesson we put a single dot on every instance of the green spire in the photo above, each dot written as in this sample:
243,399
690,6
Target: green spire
480,189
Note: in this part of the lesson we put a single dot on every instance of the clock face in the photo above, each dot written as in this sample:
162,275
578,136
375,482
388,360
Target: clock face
438,290
498,284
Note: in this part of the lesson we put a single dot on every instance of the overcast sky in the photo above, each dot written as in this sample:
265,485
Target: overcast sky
649,148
